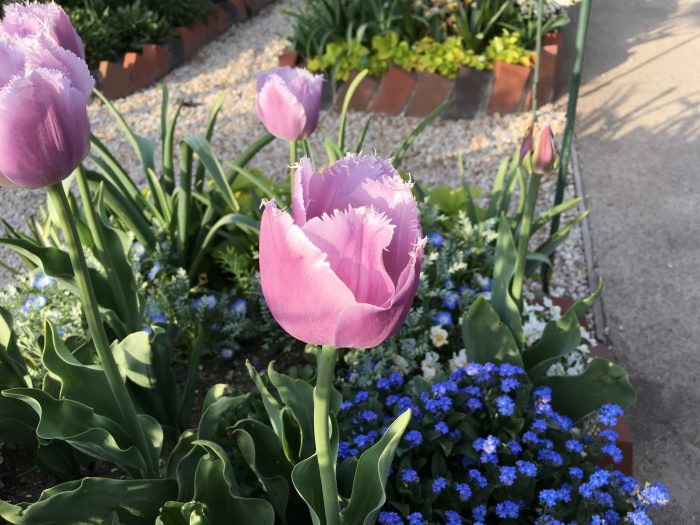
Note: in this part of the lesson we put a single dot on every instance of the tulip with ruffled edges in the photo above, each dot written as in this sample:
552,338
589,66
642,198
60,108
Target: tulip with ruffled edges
35,19
44,129
289,102
343,269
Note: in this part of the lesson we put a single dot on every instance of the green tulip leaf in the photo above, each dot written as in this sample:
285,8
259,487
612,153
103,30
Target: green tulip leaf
368,489
86,384
559,338
503,272
212,425
18,422
94,501
216,488
191,513
13,370
306,478
262,451
79,425
56,263
580,395
486,338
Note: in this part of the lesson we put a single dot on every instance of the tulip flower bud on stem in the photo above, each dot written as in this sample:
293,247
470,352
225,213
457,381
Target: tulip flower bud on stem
524,238
97,331
322,395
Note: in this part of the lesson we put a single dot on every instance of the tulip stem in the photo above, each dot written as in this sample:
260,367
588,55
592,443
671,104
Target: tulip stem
101,246
292,164
326,464
97,330
524,238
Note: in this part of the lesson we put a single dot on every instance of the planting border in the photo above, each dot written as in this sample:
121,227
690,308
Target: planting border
626,440
139,70
507,89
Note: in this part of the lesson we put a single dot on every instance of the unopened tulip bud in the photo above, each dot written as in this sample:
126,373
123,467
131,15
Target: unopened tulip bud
545,158
538,154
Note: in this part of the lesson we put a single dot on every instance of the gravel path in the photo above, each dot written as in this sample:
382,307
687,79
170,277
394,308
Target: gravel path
230,63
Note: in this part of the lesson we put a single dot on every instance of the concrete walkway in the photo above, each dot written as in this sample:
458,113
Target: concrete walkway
639,150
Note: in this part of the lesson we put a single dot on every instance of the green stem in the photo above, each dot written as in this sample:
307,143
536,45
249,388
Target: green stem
98,238
322,396
524,238
538,60
292,163
99,336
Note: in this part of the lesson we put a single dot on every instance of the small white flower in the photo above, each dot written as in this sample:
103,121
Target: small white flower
458,360
438,336
401,365
430,365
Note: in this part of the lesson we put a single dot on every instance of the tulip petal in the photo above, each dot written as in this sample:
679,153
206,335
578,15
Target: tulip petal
340,185
366,325
280,111
354,241
300,191
11,60
44,130
393,196
42,52
303,293
34,19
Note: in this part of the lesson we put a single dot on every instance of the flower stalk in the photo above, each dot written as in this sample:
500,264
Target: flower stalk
524,238
326,463
99,336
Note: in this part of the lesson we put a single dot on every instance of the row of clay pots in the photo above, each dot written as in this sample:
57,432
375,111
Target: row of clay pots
138,70
508,89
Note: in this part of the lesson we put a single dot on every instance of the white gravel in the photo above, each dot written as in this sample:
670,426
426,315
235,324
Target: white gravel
230,63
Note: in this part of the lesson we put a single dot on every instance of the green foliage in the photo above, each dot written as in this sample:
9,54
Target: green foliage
506,48
180,12
445,57
110,28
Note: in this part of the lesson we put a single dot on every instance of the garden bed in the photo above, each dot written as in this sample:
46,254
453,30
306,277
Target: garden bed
137,70
506,89
401,362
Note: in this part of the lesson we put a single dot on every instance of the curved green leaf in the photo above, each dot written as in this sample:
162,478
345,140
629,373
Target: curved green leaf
94,501
486,338
216,487
79,425
580,395
368,489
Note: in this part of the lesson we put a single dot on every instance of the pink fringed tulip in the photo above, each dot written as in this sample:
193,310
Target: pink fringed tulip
289,101
44,88
343,269
36,19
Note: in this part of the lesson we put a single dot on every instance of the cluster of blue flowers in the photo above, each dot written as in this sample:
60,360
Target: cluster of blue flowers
485,446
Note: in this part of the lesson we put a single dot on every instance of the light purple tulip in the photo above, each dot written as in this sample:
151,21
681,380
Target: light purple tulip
343,268
34,19
40,51
44,129
289,101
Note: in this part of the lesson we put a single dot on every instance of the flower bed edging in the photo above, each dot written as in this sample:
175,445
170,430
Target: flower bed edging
507,89
626,440
138,70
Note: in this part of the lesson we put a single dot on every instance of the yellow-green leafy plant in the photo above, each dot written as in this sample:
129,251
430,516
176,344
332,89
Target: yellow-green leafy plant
507,48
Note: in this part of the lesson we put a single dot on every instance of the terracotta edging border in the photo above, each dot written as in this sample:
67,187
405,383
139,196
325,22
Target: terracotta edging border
626,440
508,89
139,70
